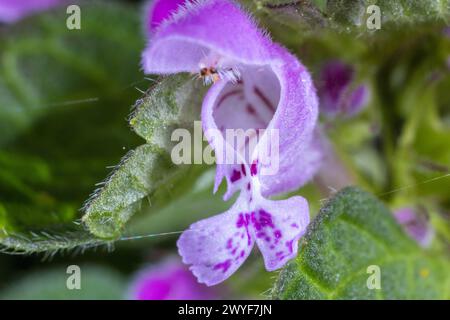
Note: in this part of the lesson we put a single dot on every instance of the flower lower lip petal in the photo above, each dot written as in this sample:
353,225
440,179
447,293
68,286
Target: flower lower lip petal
216,247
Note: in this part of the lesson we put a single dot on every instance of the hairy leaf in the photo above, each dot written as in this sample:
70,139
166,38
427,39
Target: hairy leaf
148,172
347,15
353,232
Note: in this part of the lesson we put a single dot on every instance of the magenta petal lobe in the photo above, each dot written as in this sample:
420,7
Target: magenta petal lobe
278,227
216,247
294,120
14,10
161,10
205,32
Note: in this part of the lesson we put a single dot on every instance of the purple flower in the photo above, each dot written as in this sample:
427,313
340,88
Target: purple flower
337,94
446,32
169,280
415,224
160,10
256,84
14,10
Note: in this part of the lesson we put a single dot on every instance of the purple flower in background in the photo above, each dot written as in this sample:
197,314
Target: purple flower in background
169,280
446,32
337,95
14,10
256,84
415,224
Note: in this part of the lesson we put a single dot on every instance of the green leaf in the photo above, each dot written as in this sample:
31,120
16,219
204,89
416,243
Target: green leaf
97,283
352,232
45,67
139,175
348,15
49,241
173,103
148,172
63,100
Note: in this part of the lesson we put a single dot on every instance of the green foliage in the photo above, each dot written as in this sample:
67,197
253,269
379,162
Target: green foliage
64,97
173,103
45,180
352,232
149,170
351,15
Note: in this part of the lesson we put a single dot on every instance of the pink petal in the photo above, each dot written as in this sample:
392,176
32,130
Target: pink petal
254,99
282,100
204,32
216,247
337,95
416,224
260,81
169,280
14,10
160,10
305,165
278,226
294,121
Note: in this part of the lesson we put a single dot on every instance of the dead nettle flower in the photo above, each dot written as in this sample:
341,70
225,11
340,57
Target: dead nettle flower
256,84
168,280
14,10
416,224
338,95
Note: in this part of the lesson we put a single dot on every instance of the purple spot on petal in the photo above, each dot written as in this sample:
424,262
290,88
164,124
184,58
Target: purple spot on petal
250,109
229,243
289,244
223,265
264,99
243,170
228,95
241,221
235,176
254,168
265,219
255,222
